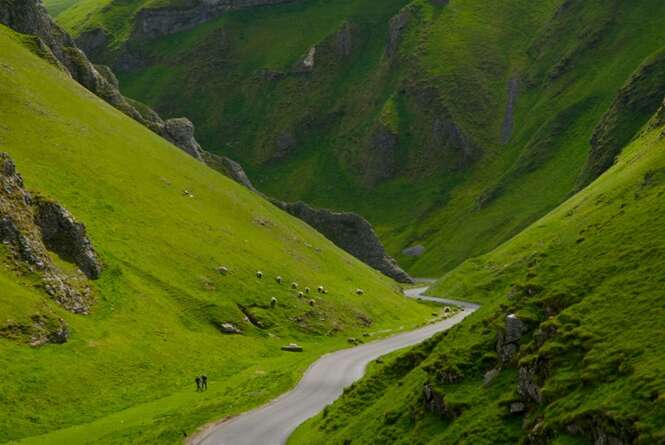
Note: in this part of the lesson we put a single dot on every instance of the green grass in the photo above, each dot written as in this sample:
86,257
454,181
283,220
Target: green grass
126,374
595,264
571,66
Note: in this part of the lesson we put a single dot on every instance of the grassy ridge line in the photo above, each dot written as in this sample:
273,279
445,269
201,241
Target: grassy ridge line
160,296
594,270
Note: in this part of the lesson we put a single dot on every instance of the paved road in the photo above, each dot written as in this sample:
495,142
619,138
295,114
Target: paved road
321,385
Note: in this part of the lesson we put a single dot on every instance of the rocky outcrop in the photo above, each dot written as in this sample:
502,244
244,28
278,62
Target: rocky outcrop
31,227
508,118
396,28
508,340
66,237
150,23
381,157
436,403
181,132
633,106
351,233
229,168
38,331
30,17
344,41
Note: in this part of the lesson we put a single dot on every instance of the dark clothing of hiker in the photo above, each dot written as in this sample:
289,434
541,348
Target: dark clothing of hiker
204,382
198,384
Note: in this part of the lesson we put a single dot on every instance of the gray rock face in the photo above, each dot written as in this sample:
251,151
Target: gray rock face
285,144
508,341
344,41
156,22
508,119
436,403
30,17
381,162
414,251
29,244
526,386
68,238
351,233
396,28
92,41
181,132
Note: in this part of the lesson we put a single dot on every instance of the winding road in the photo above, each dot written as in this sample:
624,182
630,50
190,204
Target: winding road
321,385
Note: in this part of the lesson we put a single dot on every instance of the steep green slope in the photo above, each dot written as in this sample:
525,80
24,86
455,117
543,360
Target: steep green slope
586,282
162,224
452,127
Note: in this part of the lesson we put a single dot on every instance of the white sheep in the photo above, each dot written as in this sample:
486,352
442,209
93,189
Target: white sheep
294,285
320,289
301,295
273,302
223,270
311,302
307,290
360,292
279,280
259,274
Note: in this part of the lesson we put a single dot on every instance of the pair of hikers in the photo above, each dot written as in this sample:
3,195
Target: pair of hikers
201,383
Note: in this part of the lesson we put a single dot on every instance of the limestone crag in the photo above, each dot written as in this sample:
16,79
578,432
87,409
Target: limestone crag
350,232
31,227
150,23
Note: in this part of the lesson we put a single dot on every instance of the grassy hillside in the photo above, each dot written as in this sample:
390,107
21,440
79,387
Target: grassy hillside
492,106
126,374
587,282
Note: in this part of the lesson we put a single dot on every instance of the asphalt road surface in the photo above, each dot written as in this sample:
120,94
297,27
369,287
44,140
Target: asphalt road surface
321,385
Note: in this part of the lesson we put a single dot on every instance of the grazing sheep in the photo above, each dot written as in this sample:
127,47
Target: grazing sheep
301,295
294,285
279,280
311,302
307,290
320,289
273,302
259,274
446,309
325,291
360,292
223,270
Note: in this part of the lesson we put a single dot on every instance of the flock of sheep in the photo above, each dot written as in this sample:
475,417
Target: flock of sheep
273,301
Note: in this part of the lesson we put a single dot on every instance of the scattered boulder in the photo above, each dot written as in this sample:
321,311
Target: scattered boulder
228,328
490,376
414,251
517,408
380,163
292,347
306,64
